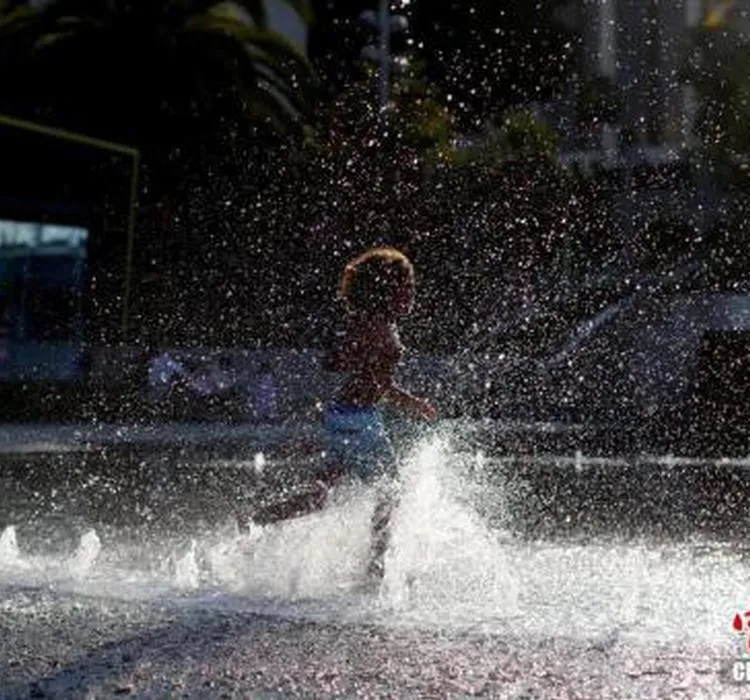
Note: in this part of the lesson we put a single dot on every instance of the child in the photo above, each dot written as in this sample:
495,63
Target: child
376,289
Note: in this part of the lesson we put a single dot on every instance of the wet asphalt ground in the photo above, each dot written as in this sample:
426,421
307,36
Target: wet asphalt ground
71,641
52,647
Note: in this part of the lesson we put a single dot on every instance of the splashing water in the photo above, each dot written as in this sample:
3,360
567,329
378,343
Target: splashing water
446,568
310,557
84,558
186,569
442,551
9,553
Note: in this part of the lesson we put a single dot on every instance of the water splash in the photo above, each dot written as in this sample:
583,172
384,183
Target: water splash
312,556
84,558
443,556
9,553
186,568
447,567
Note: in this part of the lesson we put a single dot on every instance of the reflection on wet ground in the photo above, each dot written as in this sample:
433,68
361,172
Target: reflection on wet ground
533,495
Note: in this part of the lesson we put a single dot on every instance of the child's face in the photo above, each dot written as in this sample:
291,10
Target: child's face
405,298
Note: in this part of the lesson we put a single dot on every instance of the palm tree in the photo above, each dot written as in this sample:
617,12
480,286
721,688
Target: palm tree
154,73
196,85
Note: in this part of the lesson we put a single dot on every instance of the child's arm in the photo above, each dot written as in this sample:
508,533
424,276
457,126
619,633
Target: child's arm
384,359
402,399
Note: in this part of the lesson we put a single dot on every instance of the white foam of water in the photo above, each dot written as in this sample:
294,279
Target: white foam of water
9,553
466,574
442,554
445,568
186,569
80,564
19,569
307,557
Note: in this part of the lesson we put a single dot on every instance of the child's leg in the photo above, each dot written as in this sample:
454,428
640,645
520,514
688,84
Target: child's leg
380,532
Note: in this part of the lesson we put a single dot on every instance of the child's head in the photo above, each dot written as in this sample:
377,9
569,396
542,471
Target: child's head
380,281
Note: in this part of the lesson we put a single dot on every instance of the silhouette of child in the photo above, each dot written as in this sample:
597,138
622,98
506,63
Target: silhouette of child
376,290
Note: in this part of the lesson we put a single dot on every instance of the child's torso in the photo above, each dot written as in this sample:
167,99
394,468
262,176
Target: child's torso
367,352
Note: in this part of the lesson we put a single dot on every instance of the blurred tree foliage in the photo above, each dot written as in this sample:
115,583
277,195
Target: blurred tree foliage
718,67
486,56
184,82
599,101
490,56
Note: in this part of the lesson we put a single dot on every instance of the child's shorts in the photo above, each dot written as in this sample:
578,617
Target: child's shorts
356,442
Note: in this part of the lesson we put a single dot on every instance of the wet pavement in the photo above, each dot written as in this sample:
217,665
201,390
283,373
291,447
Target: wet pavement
122,573
51,648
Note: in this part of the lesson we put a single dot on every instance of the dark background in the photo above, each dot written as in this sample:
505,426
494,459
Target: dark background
243,228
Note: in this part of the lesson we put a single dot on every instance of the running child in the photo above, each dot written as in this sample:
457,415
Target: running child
376,289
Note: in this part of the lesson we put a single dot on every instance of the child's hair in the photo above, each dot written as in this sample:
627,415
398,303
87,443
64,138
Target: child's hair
371,281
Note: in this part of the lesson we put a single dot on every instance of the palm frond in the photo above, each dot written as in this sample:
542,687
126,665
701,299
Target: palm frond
249,67
274,44
255,9
53,11
10,16
186,51
265,106
302,8
29,28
